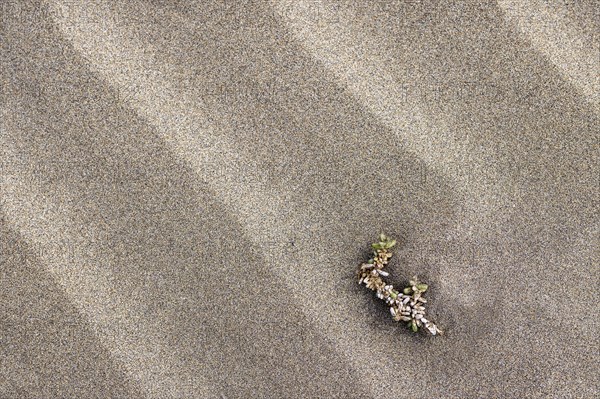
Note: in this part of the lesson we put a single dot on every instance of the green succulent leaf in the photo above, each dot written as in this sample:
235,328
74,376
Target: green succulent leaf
413,326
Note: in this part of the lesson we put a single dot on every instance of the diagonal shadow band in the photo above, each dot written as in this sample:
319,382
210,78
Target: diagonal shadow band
223,176
47,347
132,208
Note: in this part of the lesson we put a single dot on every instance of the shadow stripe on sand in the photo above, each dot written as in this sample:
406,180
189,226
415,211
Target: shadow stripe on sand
71,166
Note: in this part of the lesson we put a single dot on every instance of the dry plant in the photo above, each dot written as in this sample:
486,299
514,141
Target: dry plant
408,305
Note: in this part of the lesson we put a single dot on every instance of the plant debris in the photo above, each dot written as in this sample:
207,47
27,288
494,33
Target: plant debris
409,304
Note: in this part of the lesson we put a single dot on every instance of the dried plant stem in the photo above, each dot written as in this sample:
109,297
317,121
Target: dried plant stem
408,305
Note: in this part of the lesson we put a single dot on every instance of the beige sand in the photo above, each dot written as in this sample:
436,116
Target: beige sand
187,190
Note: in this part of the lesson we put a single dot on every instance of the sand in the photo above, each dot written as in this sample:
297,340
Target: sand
187,190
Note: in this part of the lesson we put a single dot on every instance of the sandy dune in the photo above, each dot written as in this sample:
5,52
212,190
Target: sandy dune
187,188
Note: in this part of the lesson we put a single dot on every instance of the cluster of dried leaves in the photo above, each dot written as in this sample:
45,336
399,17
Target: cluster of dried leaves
408,305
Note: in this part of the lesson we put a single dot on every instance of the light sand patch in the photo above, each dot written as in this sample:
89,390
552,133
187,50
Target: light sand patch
559,40
142,81
50,223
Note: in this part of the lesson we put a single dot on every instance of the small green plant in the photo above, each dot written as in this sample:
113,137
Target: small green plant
409,304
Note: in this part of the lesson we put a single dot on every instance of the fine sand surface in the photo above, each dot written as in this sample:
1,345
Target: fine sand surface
187,188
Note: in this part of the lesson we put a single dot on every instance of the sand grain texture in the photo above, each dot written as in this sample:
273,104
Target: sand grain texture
188,187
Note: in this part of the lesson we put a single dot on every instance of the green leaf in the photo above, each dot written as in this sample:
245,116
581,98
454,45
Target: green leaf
413,326
394,294
407,290
382,237
371,261
376,246
422,287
